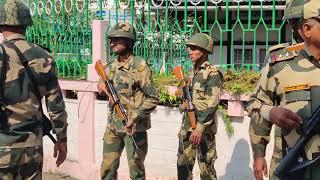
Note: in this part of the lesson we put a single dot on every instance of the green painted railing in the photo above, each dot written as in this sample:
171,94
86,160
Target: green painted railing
242,30
64,27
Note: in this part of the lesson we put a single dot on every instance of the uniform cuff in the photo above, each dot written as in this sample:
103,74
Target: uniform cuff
265,112
62,136
258,151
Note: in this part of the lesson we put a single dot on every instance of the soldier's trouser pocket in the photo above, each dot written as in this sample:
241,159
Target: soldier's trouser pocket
21,163
312,172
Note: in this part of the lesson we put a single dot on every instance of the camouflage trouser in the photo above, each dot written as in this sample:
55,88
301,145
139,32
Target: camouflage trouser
312,172
205,153
277,153
112,148
21,163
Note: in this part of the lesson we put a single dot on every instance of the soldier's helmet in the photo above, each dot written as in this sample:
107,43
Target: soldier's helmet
201,40
15,13
123,30
301,9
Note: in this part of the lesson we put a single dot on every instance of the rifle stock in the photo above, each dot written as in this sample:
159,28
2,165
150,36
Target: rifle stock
113,98
178,72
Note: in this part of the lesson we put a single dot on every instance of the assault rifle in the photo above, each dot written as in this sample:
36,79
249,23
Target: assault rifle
295,159
113,98
185,86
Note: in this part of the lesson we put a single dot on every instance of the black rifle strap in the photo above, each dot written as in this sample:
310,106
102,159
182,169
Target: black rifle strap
312,60
284,145
24,62
3,73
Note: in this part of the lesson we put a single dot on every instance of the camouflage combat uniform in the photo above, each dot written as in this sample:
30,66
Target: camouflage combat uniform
290,80
277,153
205,90
21,135
277,148
134,85
273,89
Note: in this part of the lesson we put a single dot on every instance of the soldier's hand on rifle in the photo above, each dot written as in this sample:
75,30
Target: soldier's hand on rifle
184,106
285,118
260,168
195,137
60,152
131,127
101,87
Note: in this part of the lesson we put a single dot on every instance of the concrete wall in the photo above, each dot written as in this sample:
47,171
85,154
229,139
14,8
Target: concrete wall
234,155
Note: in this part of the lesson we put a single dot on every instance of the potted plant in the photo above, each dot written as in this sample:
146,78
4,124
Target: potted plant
237,88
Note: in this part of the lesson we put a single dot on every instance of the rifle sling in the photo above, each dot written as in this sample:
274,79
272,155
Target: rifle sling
284,145
3,75
313,61
3,103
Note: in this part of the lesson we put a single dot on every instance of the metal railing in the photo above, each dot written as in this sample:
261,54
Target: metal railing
242,30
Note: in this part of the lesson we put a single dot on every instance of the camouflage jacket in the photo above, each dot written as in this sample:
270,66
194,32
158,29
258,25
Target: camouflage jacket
272,53
206,85
134,85
25,117
290,80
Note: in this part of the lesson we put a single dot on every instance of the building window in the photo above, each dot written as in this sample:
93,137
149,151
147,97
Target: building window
238,56
248,56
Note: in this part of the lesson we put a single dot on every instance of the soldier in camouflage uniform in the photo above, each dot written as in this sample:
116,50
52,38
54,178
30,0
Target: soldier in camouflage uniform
132,79
21,116
206,82
288,90
260,165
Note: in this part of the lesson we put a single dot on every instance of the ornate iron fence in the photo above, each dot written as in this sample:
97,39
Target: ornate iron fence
242,30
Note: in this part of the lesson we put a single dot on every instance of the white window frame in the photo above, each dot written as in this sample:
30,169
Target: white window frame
258,55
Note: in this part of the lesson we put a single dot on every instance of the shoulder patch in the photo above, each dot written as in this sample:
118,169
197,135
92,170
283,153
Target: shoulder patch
141,68
279,53
278,46
215,71
212,68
